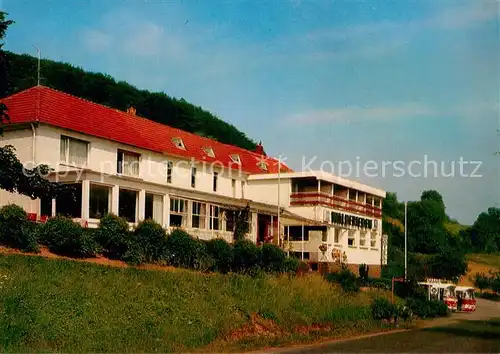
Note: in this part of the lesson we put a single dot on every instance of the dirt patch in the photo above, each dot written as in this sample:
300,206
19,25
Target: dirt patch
315,328
255,327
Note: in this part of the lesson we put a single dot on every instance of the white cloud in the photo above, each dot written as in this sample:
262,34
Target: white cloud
95,40
357,114
377,39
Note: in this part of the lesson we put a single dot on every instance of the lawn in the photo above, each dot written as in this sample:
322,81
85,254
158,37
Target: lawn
465,337
68,306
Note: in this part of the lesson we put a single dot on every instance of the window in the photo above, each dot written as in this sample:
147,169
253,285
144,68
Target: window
324,236
67,206
154,207
336,236
352,194
233,186
46,206
214,217
179,144
99,201
193,177
351,239
170,167
178,212
377,202
262,165
373,240
127,204
362,238
198,217
73,151
127,163
296,233
236,158
369,200
209,151
230,218
214,187
242,189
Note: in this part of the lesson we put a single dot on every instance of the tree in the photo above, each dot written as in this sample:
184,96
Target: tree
4,82
481,281
241,224
14,177
484,234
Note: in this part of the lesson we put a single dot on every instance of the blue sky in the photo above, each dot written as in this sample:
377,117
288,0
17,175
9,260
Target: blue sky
332,80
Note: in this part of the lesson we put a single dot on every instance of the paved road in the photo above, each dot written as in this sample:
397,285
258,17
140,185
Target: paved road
452,334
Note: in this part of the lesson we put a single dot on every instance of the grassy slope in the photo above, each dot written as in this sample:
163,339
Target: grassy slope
480,263
491,260
60,305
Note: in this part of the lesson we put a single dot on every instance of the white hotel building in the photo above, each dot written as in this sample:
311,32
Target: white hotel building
139,169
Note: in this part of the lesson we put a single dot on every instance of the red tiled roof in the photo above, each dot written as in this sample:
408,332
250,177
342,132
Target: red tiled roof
49,106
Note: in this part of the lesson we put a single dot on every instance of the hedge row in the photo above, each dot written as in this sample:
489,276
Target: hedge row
148,242
383,309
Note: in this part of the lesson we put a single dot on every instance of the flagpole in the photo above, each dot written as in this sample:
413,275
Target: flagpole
406,242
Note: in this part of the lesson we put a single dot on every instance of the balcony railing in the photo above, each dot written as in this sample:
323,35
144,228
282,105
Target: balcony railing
335,202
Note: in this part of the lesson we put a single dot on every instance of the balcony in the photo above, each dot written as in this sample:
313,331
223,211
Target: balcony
334,202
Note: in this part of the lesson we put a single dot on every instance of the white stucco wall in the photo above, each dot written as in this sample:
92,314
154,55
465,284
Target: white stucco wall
266,191
22,140
103,155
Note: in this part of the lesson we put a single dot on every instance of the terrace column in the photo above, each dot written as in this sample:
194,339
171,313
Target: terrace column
53,211
141,205
85,199
166,210
115,193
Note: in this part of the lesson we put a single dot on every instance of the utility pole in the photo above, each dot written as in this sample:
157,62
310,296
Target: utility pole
39,54
279,185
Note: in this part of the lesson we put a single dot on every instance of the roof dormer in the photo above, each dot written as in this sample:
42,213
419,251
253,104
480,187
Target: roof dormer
235,158
262,165
179,144
209,151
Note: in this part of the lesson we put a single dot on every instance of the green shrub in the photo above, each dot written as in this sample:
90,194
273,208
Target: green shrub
64,236
152,239
246,256
16,230
272,258
403,312
381,283
291,265
114,235
345,278
424,308
203,260
222,253
182,249
382,309
134,254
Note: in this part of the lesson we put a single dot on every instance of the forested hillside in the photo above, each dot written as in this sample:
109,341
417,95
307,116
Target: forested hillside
103,89
437,245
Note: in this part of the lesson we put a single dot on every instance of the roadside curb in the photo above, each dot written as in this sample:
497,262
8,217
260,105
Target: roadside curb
327,342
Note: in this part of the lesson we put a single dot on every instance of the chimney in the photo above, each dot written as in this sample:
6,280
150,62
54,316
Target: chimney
259,149
131,110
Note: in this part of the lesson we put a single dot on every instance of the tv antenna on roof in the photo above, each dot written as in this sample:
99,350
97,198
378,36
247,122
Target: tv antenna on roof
39,53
